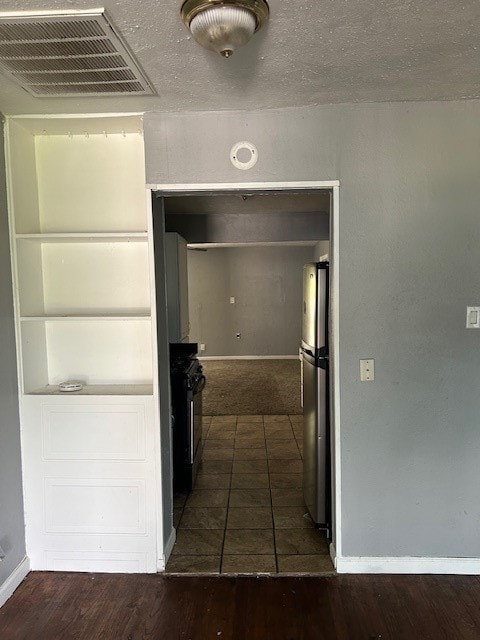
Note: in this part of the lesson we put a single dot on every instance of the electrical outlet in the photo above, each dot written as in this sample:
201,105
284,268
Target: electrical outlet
202,346
473,317
238,336
232,299
367,370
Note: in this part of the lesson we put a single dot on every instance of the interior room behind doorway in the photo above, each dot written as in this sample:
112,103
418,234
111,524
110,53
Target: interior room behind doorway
243,259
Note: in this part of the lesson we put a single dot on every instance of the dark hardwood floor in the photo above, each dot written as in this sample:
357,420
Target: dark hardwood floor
67,606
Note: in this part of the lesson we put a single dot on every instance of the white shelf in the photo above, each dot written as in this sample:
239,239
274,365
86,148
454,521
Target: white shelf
140,236
93,349
88,318
99,278
97,390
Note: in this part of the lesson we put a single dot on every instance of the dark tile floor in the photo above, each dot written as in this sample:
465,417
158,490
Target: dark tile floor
246,513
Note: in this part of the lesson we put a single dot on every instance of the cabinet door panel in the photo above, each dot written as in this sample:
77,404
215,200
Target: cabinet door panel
89,483
72,432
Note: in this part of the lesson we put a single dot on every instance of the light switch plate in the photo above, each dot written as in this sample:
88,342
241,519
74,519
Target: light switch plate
473,317
367,370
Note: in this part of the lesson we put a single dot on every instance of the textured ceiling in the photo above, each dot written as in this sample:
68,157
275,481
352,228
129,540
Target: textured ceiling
311,52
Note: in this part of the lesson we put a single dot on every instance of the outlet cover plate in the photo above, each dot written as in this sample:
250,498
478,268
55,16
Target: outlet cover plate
367,370
473,317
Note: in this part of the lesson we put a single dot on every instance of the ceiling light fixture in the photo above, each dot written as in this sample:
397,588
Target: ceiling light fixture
224,25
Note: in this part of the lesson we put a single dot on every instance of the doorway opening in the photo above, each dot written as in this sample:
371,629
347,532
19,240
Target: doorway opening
245,253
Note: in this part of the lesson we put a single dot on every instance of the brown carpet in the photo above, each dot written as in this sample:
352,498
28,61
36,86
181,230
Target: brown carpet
251,387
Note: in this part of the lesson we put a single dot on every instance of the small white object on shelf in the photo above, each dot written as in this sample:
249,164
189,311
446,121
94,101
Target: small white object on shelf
70,385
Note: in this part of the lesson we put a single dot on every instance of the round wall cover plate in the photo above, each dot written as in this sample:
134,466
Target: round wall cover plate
244,149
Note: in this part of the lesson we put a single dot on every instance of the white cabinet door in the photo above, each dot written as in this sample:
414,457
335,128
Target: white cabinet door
89,483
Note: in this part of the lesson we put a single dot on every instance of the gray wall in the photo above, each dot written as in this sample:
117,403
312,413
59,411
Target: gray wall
244,217
409,243
12,528
249,227
266,283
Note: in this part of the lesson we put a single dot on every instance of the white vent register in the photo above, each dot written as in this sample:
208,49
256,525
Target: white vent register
68,53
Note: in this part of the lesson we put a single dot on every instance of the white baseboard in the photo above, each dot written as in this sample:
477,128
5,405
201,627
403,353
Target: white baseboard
247,357
413,565
14,580
162,563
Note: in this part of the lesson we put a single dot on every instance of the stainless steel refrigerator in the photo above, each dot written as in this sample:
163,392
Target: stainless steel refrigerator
314,356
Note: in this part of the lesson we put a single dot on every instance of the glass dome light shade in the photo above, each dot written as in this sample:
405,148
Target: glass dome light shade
223,28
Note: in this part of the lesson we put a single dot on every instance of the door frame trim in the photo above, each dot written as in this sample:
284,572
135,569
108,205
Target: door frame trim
333,185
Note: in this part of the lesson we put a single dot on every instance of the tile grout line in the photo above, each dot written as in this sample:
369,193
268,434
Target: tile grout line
271,507
271,501
220,570
296,440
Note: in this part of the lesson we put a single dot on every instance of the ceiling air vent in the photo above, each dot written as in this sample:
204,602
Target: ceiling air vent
63,54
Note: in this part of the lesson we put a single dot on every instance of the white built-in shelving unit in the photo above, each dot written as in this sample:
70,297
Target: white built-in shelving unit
82,269
81,245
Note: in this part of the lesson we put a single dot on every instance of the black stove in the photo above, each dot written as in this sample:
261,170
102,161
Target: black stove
187,384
